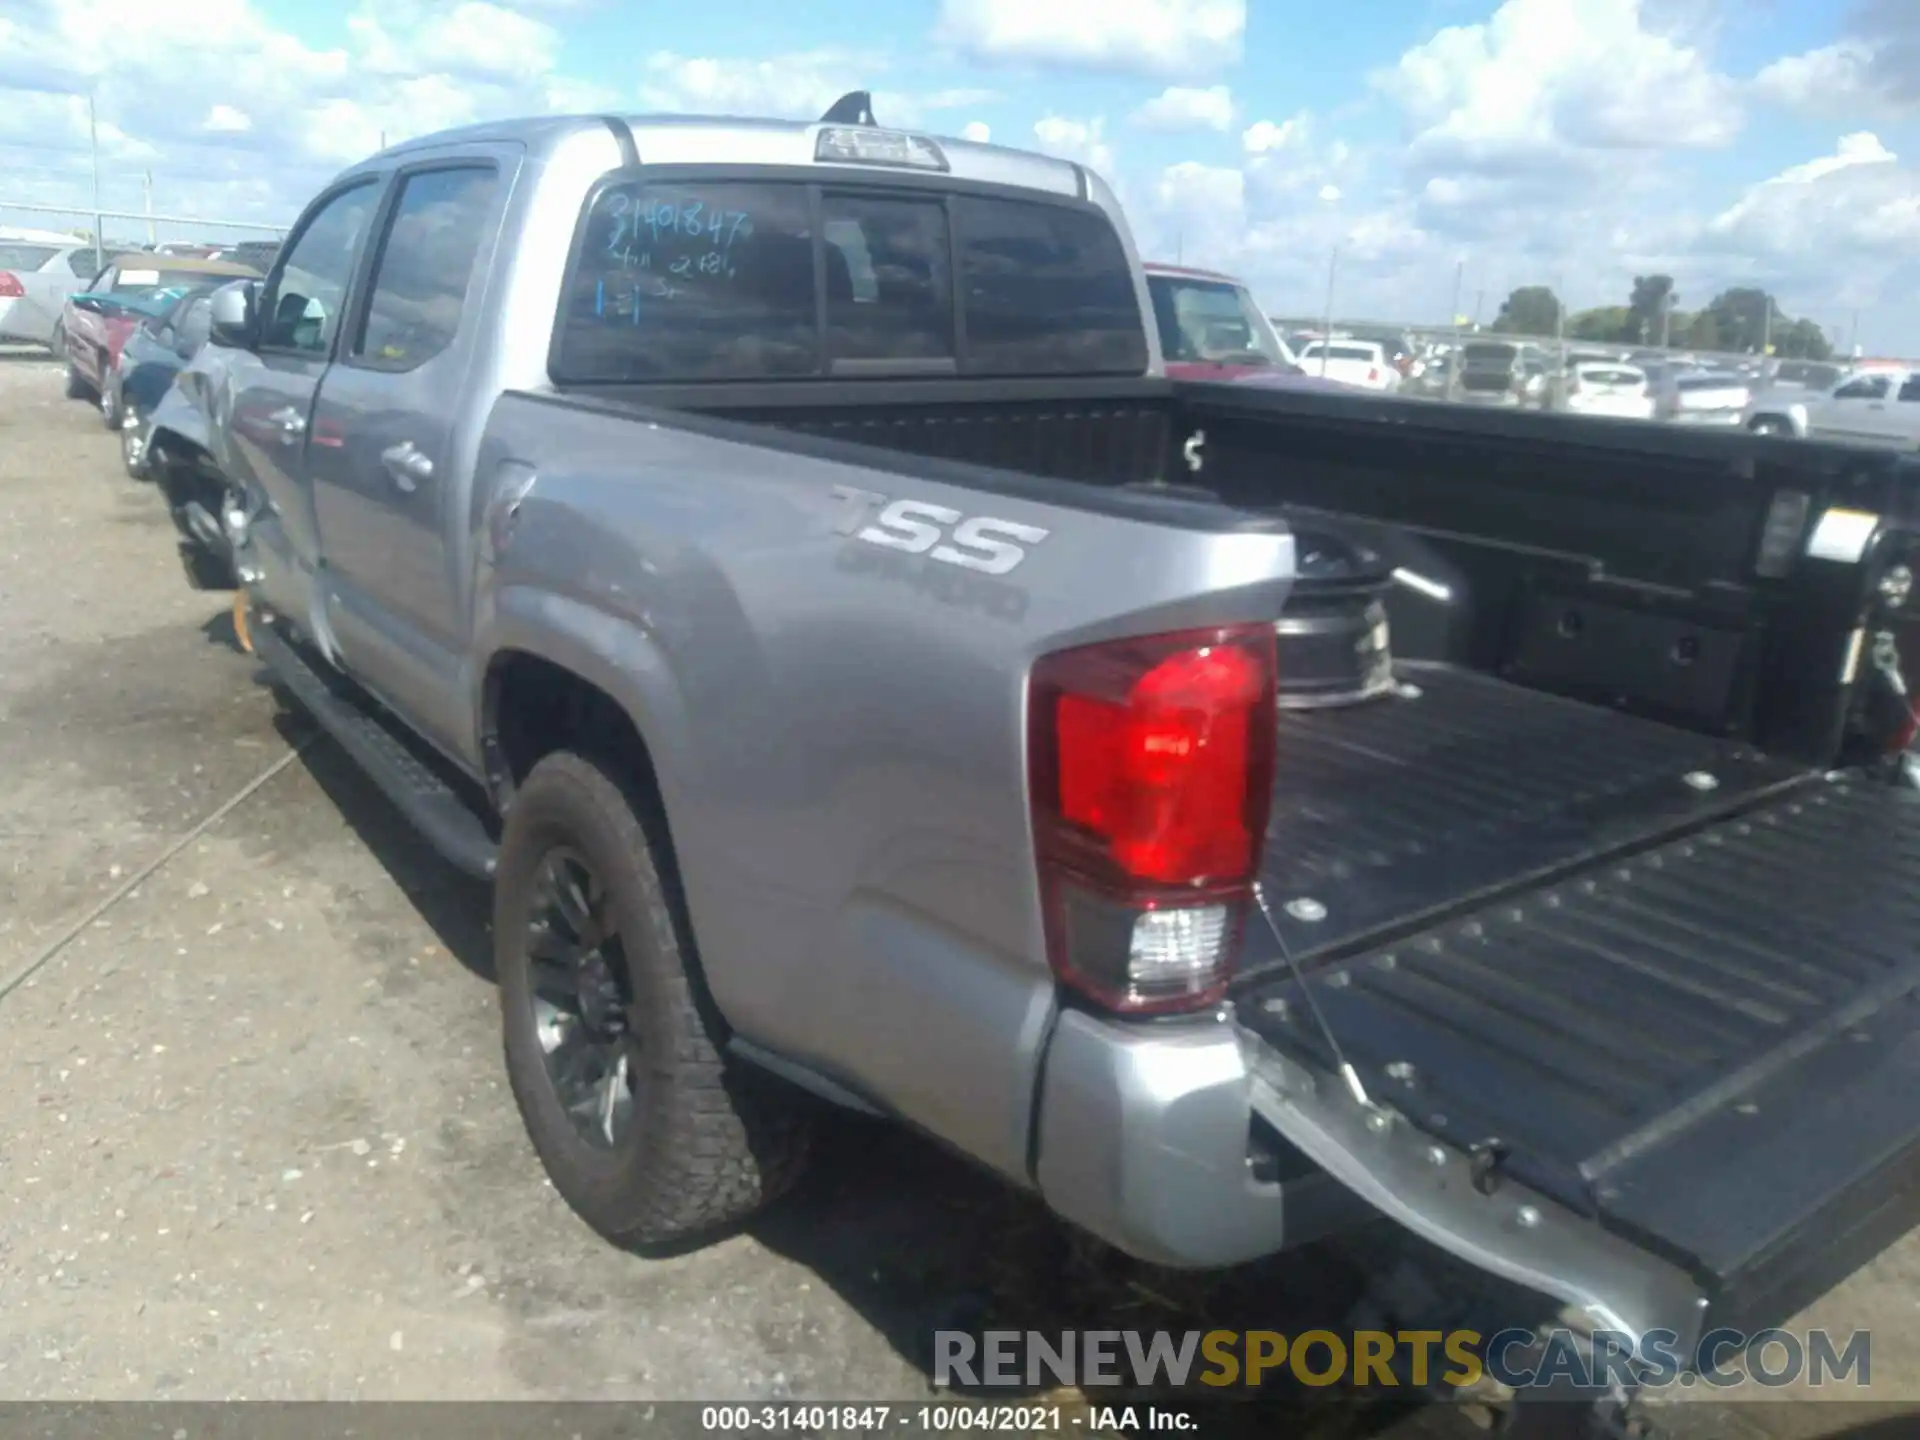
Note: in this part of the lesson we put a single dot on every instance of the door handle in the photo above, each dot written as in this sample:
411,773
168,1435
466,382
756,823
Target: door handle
407,464
290,421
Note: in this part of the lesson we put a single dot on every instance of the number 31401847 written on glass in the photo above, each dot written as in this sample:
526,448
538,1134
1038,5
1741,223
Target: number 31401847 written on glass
684,238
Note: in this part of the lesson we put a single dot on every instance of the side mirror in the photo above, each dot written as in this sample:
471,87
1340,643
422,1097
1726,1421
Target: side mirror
233,315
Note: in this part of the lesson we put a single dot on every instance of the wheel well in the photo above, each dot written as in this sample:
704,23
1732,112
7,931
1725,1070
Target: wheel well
534,707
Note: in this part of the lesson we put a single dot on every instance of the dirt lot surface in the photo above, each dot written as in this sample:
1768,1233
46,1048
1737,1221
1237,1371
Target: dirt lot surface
257,1140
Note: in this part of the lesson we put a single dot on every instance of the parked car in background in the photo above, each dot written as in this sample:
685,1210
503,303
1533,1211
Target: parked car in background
35,280
155,352
257,253
1700,397
1606,387
1803,375
1881,407
184,250
1351,362
1491,373
97,320
1210,328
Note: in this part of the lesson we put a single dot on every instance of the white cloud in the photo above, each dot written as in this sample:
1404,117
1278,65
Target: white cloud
1081,140
1873,69
1859,201
976,131
1264,137
1140,37
1547,82
225,119
1180,107
1822,79
798,86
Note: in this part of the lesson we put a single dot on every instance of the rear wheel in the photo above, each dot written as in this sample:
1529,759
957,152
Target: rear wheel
612,1047
57,343
133,452
78,386
111,408
1770,425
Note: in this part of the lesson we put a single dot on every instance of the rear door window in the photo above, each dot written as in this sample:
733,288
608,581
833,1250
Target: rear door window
425,265
1048,291
692,282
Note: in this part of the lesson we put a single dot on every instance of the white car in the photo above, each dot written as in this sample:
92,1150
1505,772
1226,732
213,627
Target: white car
1351,362
1876,407
1598,387
35,280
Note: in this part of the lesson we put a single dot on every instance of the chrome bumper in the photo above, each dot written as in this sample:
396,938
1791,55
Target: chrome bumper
1145,1139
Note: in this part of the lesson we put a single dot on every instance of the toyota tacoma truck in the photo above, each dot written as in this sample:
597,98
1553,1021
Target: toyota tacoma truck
773,556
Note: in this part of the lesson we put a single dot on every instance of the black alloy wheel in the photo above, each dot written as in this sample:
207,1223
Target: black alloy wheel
581,997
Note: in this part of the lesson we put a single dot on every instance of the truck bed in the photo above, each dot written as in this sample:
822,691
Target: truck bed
1688,1015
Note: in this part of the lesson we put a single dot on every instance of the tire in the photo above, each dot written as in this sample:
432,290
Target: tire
704,1145
57,342
111,406
133,454
1769,425
77,386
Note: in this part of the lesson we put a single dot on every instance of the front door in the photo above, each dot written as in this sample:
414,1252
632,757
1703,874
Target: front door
386,461
270,388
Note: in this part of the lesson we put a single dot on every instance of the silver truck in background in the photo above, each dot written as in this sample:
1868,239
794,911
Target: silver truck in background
773,555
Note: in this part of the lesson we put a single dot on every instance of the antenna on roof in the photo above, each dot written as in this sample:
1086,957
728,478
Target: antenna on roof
853,108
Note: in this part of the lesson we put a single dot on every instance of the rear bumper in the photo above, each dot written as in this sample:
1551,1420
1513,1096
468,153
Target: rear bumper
1147,1140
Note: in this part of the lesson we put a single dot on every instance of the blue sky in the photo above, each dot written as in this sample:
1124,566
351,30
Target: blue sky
1571,142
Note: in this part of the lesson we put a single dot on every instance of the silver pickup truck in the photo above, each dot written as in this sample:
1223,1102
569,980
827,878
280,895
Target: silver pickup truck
773,554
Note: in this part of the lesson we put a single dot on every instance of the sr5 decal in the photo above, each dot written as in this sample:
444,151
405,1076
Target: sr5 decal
974,542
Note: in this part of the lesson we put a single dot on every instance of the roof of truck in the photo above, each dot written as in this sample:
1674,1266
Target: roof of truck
1160,267
744,140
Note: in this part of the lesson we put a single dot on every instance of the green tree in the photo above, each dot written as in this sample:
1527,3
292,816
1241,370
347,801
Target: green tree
1802,340
1742,317
1652,296
1606,324
1702,332
1530,310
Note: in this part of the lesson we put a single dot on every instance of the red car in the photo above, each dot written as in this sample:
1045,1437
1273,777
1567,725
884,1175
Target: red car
1211,329
97,320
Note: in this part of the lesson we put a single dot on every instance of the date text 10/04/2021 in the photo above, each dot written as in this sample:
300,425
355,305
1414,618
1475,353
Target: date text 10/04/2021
916,1419
662,240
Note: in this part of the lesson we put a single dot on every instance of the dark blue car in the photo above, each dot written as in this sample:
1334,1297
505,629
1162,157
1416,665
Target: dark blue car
155,352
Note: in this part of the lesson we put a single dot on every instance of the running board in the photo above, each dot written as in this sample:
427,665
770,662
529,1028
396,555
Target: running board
448,823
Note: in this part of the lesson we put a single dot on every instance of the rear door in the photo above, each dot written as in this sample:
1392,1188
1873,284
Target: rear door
266,405
1851,412
386,447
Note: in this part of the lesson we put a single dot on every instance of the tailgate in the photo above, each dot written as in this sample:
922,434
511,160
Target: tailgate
1706,1044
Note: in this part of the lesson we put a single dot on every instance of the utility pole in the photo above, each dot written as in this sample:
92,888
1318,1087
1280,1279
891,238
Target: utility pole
93,145
383,139
1326,339
1853,335
1766,329
1666,320
1453,319
152,238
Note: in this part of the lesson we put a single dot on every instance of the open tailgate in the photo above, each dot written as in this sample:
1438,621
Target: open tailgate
1703,1047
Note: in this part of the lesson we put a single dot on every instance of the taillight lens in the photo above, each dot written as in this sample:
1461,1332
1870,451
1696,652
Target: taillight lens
1151,773
1373,373
10,286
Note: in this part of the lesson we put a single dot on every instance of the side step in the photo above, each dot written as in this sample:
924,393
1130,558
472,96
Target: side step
434,807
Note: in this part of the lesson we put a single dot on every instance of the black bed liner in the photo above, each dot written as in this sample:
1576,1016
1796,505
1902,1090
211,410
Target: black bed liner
1387,811
1706,1041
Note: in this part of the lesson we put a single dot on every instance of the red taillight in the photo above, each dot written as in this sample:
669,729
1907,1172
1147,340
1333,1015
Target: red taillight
1373,374
1151,772
10,286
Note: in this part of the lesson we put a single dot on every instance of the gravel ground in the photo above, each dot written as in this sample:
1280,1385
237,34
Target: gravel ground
257,1139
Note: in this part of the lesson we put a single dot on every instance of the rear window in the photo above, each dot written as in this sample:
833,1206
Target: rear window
26,257
1710,382
722,281
1599,375
1489,354
1346,352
